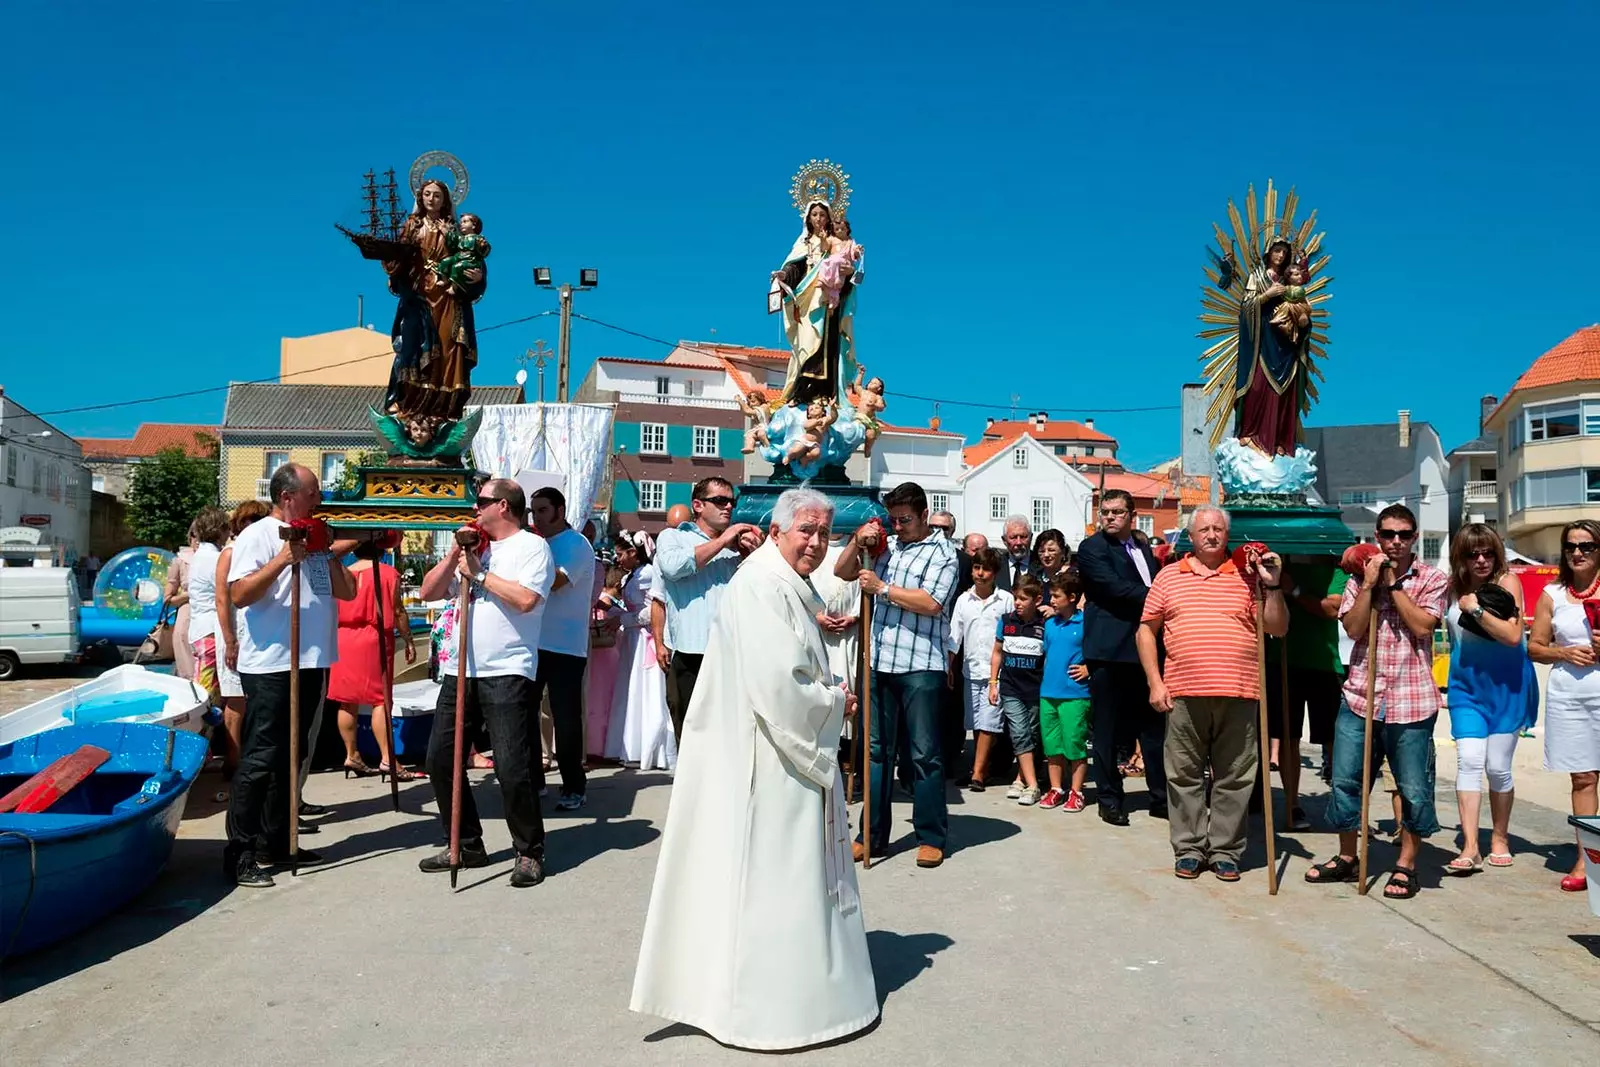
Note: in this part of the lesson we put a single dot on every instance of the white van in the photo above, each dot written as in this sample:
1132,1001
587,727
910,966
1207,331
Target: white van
38,617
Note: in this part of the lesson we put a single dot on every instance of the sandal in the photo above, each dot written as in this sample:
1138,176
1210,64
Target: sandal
401,775
1337,869
1403,879
357,768
1464,865
1500,859
1574,883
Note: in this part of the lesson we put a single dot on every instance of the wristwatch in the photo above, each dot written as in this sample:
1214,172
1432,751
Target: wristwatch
1477,613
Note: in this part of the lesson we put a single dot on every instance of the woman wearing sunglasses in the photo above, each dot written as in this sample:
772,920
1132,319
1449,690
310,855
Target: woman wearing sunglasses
1564,637
1493,693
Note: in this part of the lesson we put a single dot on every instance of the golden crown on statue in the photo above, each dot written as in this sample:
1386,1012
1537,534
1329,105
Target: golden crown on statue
821,180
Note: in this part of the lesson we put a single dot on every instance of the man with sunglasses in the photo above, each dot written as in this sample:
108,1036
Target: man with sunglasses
1410,598
510,579
1117,568
695,561
912,583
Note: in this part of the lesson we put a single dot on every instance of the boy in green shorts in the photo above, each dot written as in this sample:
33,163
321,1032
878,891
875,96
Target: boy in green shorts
1064,695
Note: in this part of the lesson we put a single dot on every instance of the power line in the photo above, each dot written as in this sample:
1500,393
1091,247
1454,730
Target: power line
389,352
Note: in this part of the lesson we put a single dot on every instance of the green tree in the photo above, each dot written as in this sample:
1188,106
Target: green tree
349,479
168,490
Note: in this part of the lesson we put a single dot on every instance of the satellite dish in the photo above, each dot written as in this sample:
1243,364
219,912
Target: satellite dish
522,376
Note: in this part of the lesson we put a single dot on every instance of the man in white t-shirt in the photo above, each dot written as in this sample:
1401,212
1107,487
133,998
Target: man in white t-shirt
259,581
510,578
564,638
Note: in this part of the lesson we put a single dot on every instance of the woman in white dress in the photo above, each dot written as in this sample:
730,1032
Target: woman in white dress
1564,636
640,732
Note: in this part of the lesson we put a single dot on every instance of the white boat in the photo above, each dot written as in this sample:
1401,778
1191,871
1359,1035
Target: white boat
183,707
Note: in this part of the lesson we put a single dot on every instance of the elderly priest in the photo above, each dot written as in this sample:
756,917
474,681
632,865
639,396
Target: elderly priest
755,933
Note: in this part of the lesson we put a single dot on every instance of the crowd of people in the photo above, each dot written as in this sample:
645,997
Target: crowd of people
1026,663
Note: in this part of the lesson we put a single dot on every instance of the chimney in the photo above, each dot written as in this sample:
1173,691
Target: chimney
1089,423
1486,408
1405,428
1039,420
989,423
933,423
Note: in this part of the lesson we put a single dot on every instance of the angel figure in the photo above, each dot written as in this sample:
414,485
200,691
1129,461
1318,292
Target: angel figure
868,402
820,415
754,406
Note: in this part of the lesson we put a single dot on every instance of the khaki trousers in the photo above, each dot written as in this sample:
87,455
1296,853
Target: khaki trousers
1220,733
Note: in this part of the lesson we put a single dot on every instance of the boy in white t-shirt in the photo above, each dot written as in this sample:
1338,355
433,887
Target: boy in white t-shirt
564,638
972,629
510,577
259,585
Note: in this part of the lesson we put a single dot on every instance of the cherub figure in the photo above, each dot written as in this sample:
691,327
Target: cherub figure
754,406
840,265
869,402
468,250
819,417
1293,316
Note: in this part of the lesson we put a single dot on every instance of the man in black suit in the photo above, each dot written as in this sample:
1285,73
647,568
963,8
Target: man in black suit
1117,568
1017,557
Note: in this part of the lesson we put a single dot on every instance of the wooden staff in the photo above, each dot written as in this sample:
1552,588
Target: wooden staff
293,535
1366,736
386,647
468,542
866,722
1261,729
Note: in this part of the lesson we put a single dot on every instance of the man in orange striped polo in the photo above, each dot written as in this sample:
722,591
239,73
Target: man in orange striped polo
1206,607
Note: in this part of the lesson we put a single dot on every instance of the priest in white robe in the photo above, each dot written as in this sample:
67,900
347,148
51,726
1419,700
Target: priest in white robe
755,933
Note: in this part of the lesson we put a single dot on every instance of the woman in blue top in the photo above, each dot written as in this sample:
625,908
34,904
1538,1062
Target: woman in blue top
1493,693
1064,695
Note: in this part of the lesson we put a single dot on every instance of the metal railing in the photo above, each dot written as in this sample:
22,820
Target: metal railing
676,400
1481,493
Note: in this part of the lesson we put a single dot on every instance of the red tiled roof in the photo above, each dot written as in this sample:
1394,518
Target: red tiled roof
1092,461
975,455
1576,359
926,430
150,438
1054,430
1148,486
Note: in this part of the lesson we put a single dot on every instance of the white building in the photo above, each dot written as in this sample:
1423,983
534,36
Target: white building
45,486
1023,477
1363,469
931,458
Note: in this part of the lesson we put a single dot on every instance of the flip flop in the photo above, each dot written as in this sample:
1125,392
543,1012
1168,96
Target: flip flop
1500,859
1462,866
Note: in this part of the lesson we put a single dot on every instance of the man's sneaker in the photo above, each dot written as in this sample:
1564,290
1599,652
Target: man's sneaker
1053,798
472,855
1074,801
248,874
570,801
1015,791
313,809
528,871
1029,797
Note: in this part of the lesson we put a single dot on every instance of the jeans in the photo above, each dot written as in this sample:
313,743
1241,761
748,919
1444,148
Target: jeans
1409,747
681,675
1120,704
1022,722
258,806
506,704
564,675
912,702
1220,733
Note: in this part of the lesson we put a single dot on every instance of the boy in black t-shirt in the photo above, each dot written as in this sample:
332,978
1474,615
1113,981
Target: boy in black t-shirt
1015,671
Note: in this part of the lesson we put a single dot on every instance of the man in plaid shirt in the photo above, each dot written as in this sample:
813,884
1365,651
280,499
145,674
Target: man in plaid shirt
911,583
1410,598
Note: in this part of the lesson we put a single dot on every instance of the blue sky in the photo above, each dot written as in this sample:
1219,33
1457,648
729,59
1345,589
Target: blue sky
1034,187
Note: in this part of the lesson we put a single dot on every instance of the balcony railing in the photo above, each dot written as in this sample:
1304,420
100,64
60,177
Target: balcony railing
1481,493
675,400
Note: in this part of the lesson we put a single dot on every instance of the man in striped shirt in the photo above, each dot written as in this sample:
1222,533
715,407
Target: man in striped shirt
911,585
1205,606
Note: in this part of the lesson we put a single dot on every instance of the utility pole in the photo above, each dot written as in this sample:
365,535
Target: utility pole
588,278
538,355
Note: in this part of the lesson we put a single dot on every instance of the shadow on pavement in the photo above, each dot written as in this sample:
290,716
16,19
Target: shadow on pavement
970,831
190,884
1587,941
897,959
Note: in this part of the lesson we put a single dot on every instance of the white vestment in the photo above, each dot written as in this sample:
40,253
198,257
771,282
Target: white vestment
755,933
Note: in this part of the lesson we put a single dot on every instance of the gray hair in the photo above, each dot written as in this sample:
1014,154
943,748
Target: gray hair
947,514
1018,520
794,501
1210,509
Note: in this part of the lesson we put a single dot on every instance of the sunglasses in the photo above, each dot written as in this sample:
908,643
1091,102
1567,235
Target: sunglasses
1482,553
901,520
1390,535
1588,548
1112,513
720,501
486,501
941,526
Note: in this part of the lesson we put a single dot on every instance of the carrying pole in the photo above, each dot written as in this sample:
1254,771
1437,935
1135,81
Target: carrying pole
866,724
468,540
1266,742
291,534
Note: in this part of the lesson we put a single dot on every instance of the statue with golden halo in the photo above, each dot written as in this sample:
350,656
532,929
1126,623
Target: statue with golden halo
1264,308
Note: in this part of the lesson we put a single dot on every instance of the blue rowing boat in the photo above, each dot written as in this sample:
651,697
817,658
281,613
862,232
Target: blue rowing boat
100,844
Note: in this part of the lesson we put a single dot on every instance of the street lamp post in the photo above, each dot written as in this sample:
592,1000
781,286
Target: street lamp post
588,278
537,355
